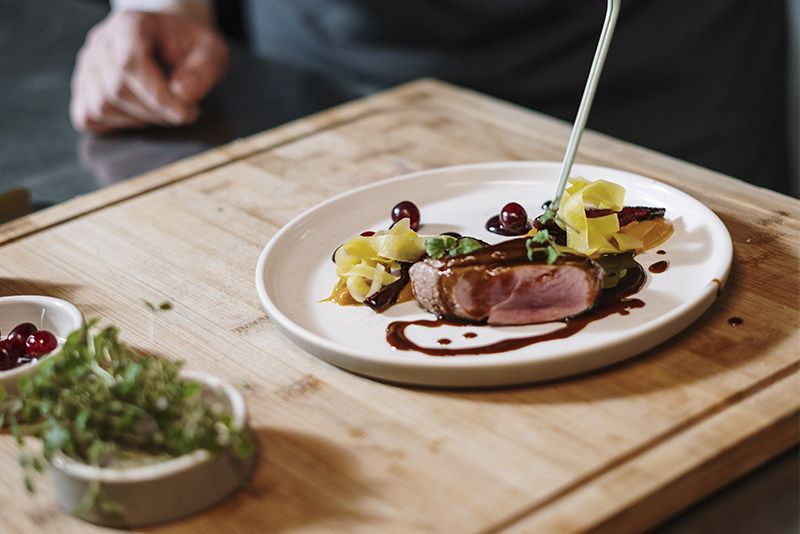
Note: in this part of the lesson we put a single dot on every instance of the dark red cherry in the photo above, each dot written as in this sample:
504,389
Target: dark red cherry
406,210
11,348
40,343
18,335
514,218
8,358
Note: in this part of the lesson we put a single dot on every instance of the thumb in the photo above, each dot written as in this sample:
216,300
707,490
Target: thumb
199,71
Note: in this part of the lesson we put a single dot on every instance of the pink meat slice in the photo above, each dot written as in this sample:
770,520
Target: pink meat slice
533,294
507,288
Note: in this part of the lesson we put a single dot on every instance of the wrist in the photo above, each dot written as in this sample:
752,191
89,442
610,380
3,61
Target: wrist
200,10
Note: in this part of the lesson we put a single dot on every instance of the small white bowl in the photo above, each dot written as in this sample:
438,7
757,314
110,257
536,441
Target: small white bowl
161,491
60,318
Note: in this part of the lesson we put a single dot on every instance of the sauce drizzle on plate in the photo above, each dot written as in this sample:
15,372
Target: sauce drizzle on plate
658,267
612,300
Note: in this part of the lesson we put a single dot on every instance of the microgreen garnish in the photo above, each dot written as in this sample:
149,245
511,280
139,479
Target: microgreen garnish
542,242
445,245
465,245
552,255
101,403
164,306
541,237
616,267
437,247
548,215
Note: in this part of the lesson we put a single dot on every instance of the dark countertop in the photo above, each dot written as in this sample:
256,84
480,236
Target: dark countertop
40,38
43,37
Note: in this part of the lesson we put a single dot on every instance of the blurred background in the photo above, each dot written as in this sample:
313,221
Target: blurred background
43,161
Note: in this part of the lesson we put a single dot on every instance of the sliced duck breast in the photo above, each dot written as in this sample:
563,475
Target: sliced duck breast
501,286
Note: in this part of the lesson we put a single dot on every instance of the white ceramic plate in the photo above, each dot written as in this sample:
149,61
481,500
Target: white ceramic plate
295,273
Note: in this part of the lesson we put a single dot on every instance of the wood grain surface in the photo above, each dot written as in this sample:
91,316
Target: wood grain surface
617,450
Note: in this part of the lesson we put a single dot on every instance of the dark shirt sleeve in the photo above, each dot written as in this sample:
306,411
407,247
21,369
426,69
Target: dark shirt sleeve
702,81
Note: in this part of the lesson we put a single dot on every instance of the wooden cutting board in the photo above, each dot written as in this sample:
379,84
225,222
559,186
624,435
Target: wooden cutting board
616,450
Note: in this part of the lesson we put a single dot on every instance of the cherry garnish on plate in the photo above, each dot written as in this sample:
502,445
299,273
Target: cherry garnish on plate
406,210
40,343
512,220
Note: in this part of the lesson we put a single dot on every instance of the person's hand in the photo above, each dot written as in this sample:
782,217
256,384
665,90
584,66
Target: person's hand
139,68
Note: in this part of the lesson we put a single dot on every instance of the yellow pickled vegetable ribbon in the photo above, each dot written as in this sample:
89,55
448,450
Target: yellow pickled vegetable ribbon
363,262
370,272
400,243
596,235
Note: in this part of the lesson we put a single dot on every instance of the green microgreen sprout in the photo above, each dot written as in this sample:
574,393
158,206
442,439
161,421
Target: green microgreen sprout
437,247
540,242
154,311
164,306
548,215
445,245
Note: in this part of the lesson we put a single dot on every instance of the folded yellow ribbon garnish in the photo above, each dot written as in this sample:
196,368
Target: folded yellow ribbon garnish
593,236
366,264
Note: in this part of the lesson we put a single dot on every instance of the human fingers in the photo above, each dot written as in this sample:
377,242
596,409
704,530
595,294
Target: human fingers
200,68
80,91
101,100
99,114
131,43
85,101
147,82
116,91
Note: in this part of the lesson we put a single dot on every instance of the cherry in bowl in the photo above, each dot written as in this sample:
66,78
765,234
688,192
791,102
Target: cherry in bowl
40,343
24,315
18,335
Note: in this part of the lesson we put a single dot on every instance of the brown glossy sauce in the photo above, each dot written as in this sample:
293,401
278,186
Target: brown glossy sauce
470,335
661,252
493,225
658,267
735,321
510,252
613,300
443,341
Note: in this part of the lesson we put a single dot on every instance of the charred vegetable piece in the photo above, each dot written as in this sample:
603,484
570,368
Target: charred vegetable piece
628,214
388,294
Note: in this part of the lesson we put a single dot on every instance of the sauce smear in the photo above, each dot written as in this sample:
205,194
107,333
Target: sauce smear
658,267
493,225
